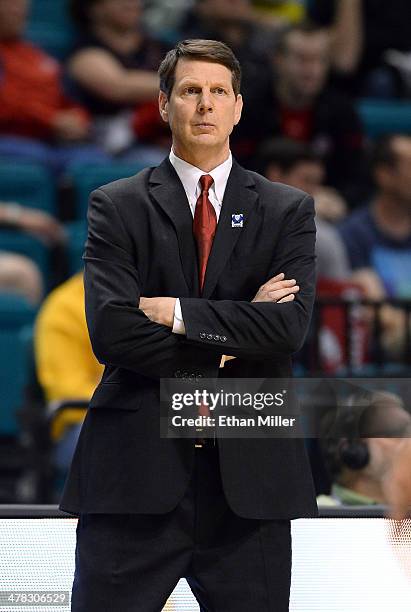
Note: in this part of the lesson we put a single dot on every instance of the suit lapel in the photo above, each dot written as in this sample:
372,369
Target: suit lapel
167,190
239,198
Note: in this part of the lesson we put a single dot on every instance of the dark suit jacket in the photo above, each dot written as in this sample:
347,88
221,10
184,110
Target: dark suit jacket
140,242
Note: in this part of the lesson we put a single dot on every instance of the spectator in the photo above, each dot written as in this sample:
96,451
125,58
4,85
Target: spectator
378,235
37,121
20,275
66,365
113,73
235,23
362,31
358,442
303,108
296,164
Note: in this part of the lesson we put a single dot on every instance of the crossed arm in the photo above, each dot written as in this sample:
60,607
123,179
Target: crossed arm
276,289
125,336
161,309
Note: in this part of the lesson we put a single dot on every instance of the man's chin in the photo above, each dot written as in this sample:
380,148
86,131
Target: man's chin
206,139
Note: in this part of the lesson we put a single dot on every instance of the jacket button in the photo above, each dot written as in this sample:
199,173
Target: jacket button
223,338
216,337
209,336
202,335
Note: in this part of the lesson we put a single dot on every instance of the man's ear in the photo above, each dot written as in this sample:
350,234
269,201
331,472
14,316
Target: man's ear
163,106
238,109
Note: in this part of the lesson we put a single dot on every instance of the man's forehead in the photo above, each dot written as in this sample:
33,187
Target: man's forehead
201,70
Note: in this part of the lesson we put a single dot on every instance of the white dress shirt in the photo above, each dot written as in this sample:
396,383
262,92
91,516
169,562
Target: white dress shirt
190,177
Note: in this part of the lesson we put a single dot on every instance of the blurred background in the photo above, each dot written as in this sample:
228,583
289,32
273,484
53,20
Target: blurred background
327,91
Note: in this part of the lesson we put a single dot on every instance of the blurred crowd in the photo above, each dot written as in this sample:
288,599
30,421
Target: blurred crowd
89,99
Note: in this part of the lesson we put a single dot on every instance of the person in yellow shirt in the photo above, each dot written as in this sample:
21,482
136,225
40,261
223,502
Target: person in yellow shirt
65,363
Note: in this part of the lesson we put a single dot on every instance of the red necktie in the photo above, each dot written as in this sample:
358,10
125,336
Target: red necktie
204,228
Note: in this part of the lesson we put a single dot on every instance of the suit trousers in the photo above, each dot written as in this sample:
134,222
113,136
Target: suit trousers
132,562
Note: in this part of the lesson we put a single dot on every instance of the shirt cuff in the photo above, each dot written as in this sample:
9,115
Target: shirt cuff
178,324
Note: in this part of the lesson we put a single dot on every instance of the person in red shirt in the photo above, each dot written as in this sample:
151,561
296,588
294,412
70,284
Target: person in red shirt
33,106
306,109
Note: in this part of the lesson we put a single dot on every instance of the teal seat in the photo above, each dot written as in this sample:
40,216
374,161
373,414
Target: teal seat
27,184
15,315
77,234
50,27
86,178
385,117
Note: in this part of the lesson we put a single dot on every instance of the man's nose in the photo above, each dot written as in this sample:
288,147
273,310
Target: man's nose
205,103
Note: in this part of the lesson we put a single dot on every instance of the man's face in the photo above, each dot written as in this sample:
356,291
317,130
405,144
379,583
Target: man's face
202,109
305,175
396,180
13,17
304,64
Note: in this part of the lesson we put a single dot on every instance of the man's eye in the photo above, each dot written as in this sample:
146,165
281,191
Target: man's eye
220,90
190,90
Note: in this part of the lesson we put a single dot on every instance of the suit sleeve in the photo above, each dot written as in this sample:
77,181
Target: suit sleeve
120,333
260,330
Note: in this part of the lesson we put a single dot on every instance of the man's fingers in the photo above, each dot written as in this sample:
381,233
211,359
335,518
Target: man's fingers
279,284
287,298
277,278
280,293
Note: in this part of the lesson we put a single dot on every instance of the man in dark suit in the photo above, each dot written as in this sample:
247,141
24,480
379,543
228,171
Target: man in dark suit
217,253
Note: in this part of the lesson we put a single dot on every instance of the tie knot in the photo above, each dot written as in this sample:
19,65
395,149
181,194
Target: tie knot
206,181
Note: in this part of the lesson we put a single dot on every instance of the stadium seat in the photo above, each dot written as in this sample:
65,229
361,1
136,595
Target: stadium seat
88,177
385,117
15,315
77,234
50,27
27,184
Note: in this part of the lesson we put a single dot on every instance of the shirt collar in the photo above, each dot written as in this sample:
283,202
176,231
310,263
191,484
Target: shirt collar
190,175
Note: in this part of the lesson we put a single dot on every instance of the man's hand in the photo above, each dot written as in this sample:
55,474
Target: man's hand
159,309
274,290
397,482
277,290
